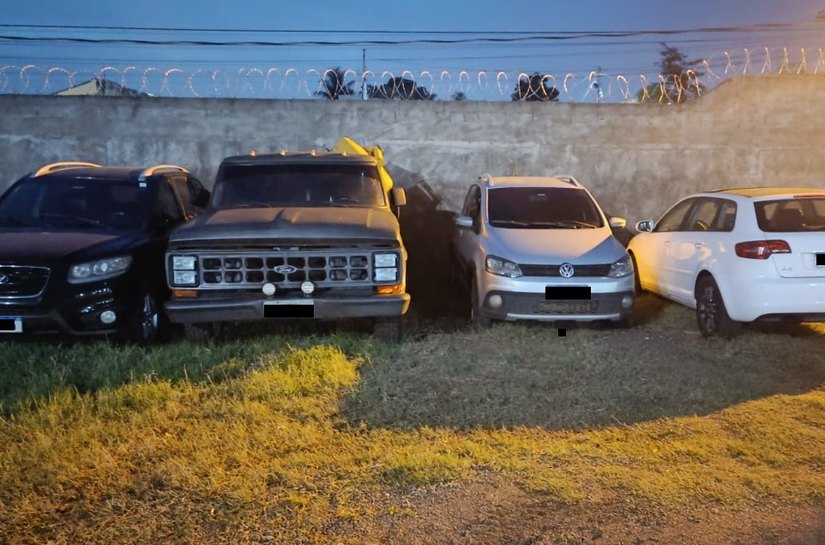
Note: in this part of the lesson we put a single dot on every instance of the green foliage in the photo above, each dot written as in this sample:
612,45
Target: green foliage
679,80
535,88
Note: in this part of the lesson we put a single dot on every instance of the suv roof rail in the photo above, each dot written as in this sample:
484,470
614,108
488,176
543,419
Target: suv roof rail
63,165
568,179
158,169
486,178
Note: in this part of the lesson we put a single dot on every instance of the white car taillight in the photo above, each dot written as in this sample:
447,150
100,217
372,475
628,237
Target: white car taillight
762,249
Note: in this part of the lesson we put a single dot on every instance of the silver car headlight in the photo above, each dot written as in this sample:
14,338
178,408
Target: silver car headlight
502,267
101,269
621,268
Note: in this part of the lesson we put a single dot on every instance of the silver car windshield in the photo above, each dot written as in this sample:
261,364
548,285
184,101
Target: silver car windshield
542,208
242,186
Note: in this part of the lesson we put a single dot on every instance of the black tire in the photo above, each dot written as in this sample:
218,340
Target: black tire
476,318
711,315
389,329
201,333
637,283
143,325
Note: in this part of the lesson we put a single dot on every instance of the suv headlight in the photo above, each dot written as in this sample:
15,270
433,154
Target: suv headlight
184,270
622,267
99,270
385,267
502,267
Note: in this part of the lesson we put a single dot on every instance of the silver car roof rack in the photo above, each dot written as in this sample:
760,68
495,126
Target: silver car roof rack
159,169
63,165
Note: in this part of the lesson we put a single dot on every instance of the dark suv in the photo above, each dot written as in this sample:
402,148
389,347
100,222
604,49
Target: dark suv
82,245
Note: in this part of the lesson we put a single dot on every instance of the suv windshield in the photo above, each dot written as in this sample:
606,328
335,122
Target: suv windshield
298,185
542,208
75,203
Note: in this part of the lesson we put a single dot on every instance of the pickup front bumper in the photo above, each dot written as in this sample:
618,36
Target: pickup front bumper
250,307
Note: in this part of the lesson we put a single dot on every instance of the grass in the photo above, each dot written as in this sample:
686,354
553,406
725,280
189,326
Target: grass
292,438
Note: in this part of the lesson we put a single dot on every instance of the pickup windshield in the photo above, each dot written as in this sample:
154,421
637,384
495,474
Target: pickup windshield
71,203
240,186
542,208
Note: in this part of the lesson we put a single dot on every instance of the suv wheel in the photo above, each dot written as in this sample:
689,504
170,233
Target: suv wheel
142,327
476,318
711,314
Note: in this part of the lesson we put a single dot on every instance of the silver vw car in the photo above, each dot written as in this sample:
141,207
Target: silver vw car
540,248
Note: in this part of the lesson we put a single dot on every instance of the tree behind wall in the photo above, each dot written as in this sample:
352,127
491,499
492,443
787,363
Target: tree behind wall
534,88
333,84
679,81
399,88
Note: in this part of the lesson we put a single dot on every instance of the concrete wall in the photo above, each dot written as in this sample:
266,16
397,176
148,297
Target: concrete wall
637,159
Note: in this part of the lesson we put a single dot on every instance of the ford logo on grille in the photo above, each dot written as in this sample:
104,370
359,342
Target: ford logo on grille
567,270
4,279
285,269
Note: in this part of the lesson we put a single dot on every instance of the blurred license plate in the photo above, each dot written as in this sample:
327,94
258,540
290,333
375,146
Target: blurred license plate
820,260
567,307
289,310
11,325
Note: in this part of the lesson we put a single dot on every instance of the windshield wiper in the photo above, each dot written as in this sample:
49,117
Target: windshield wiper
72,220
252,205
567,224
509,223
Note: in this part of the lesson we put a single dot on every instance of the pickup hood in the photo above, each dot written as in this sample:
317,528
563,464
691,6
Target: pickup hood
316,224
554,246
46,247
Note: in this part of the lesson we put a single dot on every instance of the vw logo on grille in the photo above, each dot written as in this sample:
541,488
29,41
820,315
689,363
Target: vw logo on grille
285,269
4,279
567,270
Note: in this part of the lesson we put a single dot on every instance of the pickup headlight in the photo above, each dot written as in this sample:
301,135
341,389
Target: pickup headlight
502,267
385,267
184,270
622,267
99,270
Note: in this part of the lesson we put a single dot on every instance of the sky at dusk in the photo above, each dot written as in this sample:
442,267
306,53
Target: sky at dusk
276,26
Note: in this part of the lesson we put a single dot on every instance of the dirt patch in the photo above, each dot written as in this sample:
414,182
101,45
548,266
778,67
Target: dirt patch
493,511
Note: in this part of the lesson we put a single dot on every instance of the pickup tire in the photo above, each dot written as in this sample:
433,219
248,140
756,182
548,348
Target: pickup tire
389,329
200,333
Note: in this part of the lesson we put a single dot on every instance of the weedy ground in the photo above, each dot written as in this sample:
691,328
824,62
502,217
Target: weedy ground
309,436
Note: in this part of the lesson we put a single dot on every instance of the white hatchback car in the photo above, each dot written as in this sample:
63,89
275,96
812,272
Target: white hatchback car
738,255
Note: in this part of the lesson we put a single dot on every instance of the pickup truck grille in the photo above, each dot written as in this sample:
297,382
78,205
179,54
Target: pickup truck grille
284,269
19,281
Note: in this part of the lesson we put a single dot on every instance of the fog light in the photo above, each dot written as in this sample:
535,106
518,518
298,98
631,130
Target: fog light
108,317
307,287
268,289
627,301
495,301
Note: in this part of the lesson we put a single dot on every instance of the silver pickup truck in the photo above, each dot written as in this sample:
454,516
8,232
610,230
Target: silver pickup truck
300,235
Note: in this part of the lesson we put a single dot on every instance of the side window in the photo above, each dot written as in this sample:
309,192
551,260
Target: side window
674,218
703,215
184,195
472,204
167,212
726,219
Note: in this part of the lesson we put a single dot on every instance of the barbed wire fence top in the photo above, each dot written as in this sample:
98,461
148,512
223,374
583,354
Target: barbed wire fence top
284,82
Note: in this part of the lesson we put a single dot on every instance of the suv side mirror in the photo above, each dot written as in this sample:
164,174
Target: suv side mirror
617,223
201,199
645,226
464,222
399,196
